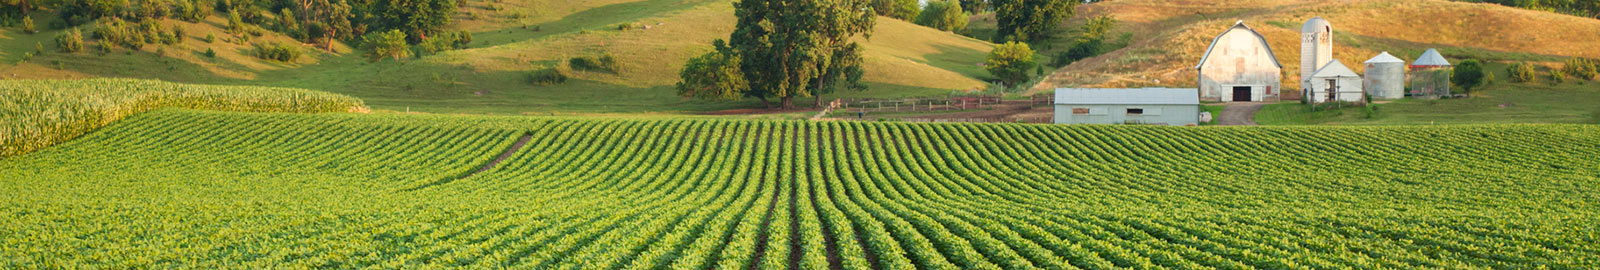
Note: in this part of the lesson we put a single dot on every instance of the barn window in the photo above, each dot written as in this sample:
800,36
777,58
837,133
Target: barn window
1080,111
1135,111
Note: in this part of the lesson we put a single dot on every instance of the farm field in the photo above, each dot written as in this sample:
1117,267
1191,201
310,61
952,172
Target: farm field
179,188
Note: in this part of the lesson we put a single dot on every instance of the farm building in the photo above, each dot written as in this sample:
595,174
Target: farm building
1335,82
1386,77
1240,66
1316,49
1430,76
1152,106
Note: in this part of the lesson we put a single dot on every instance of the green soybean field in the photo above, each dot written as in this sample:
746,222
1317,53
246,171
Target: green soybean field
179,188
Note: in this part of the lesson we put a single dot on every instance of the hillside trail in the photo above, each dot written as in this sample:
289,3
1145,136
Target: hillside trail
1240,113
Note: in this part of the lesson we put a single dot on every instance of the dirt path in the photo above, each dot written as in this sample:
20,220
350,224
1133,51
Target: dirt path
1240,113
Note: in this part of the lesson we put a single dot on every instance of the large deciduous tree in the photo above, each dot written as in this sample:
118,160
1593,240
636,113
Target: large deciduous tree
944,15
1010,62
380,45
417,18
1029,20
790,49
714,76
898,9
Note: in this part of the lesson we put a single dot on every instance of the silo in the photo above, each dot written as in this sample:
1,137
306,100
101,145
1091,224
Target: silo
1316,47
1386,77
1430,75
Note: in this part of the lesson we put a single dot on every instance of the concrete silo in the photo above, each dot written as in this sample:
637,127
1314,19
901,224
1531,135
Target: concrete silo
1316,48
1386,77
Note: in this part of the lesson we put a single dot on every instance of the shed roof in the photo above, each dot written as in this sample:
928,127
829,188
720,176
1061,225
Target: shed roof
1385,57
1135,96
1431,58
1237,26
1335,69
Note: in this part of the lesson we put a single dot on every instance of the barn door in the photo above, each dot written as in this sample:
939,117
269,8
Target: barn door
1241,93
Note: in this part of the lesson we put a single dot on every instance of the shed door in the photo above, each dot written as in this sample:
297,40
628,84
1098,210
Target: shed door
1241,93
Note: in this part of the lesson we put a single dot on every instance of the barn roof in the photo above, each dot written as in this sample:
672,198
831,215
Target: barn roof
1383,58
1135,96
1431,58
1335,69
1238,26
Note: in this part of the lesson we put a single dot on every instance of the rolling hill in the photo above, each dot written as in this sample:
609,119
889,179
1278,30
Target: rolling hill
510,39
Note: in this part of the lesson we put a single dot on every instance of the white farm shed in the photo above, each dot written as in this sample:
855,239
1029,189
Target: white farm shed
1335,82
1151,106
1240,66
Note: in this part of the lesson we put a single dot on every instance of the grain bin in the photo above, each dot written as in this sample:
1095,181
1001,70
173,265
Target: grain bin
1430,76
1386,77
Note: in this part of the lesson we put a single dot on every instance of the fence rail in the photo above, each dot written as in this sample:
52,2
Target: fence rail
947,103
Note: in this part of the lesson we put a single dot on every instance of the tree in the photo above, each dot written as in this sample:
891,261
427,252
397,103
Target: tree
324,20
1010,62
714,75
1468,74
380,45
791,49
1029,20
974,6
944,15
417,18
898,9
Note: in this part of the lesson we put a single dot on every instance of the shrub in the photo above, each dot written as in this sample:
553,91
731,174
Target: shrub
211,37
1520,72
210,53
629,26
277,51
463,38
1557,76
1583,69
546,76
27,25
602,63
117,32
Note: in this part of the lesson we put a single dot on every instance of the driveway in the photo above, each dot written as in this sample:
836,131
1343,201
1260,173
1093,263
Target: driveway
1239,113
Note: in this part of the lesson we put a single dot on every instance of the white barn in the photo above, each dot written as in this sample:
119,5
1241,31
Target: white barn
1240,66
1335,82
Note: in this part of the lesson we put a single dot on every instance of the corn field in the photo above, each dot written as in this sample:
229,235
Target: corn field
39,113
226,190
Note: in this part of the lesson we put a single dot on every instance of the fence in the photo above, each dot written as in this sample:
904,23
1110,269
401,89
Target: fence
1002,119
948,103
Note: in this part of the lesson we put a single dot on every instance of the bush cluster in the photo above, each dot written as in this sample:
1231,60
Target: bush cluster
276,51
602,63
1521,72
1583,69
70,41
546,76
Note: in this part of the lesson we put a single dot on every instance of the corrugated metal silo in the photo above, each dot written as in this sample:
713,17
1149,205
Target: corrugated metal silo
1386,77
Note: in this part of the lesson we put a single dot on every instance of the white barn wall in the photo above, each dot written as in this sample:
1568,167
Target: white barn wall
1240,57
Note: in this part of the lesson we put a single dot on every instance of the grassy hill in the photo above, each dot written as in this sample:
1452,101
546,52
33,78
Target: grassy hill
1170,36
510,39
198,189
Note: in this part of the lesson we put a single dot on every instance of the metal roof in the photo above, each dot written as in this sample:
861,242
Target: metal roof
1385,57
1335,69
1431,58
1239,25
1135,96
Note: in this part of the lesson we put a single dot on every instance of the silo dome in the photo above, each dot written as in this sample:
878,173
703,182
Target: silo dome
1316,47
1386,77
